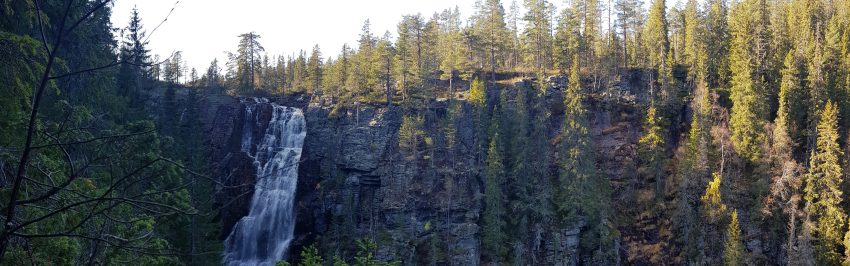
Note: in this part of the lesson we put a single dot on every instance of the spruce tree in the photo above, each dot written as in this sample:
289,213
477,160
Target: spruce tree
733,250
693,35
652,149
573,148
717,44
748,90
791,113
493,219
134,73
655,34
823,192
583,193
310,257
846,260
521,185
540,192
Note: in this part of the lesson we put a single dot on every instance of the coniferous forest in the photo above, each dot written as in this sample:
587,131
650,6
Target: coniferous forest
615,132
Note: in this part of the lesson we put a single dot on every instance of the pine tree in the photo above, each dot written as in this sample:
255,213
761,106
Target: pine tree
512,20
342,69
823,192
409,47
628,14
315,71
835,69
709,227
213,75
491,30
430,58
452,49
248,60
493,219
540,192
733,250
361,78
591,32
567,39
383,67
536,37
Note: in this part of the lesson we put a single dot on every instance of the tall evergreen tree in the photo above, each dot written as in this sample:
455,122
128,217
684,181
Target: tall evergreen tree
717,43
592,31
733,250
792,108
134,73
248,58
628,14
493,230
315,71
655,34
582,192
693,34
823,191
652,149
213,75
567,39
748,88
451,47
492,31
383,67
537,35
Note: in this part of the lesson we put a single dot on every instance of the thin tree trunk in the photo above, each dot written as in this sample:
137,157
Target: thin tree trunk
27,151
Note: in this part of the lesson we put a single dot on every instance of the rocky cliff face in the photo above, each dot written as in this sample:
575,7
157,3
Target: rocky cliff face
355,182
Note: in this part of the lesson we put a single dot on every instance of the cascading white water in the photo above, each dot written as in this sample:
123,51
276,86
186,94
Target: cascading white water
262,237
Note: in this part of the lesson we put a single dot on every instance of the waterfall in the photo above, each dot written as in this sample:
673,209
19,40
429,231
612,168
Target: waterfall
262,237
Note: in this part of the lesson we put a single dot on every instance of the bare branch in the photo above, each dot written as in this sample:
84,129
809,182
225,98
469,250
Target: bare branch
27,151
162,22
41,26
95,139
114,63
86,16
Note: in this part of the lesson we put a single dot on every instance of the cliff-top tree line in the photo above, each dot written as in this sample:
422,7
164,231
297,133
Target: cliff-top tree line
741,155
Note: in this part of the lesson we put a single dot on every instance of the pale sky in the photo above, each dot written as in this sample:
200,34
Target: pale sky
205,29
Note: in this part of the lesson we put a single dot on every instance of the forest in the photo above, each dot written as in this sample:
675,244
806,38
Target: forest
741,111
